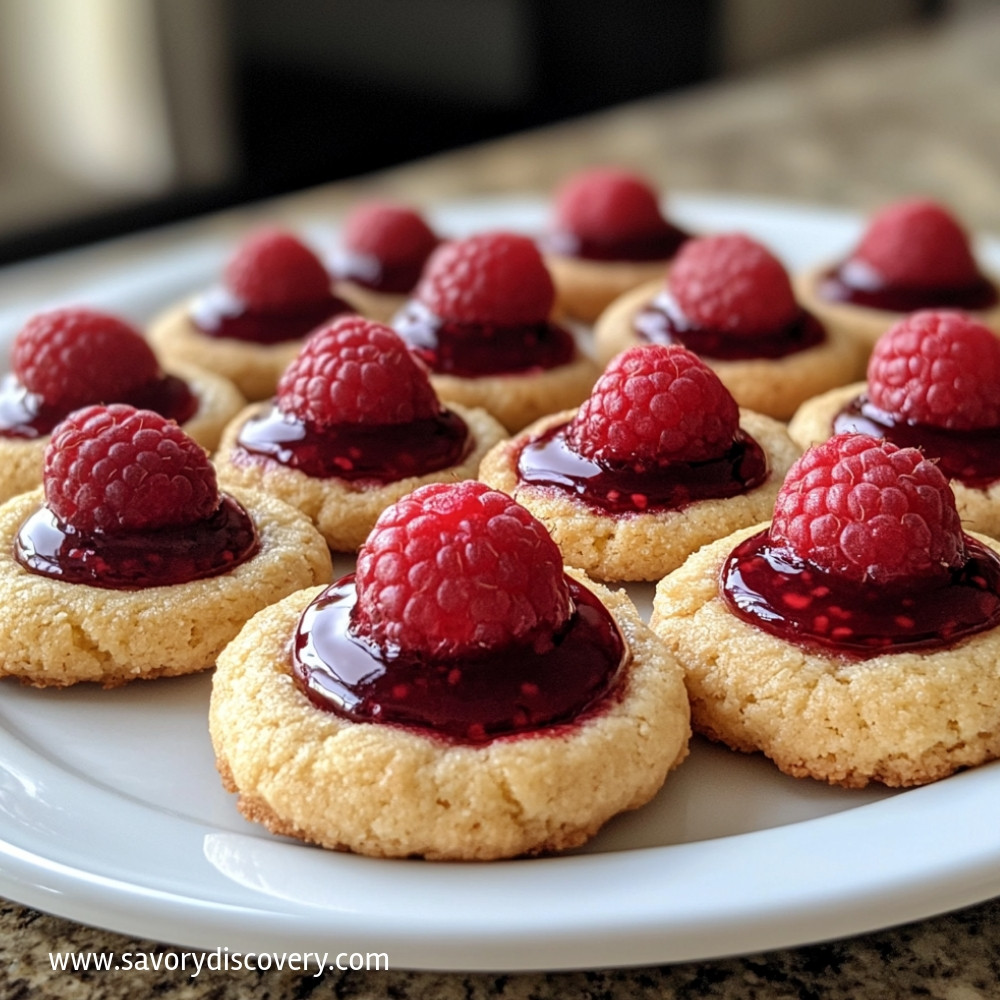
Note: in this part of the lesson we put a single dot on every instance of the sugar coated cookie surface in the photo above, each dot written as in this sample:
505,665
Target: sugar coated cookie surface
585,288
902,719
517,400
56,633
389,791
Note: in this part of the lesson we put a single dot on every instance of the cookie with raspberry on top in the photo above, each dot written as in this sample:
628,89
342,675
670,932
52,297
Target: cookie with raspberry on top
354,426
481,321
655,463
607,234
75,356
380,256
129,562
854,638
275,290
461,696
933,383
913,255
730,300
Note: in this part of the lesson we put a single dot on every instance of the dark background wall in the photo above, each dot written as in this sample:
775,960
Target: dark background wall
268,96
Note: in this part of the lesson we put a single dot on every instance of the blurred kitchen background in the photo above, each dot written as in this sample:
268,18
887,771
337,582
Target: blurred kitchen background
117,115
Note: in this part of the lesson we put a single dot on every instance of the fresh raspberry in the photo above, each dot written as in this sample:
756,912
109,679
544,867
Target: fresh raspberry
72,357
732,284
918,244
356,371
497,278
274,270
118,469
863,509
452,569
938,367
394,234
652,405
605,205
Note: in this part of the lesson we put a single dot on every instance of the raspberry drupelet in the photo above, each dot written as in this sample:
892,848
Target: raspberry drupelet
480,319
653,406
655,462
462,695
913,255
451,570
868,511
730,300
354,426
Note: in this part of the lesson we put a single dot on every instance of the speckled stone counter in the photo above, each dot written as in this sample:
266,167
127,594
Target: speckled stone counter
913,112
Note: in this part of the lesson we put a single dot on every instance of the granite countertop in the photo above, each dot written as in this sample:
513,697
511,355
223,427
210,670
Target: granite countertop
914,112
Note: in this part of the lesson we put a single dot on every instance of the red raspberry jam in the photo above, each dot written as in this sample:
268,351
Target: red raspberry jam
517,690
219,313
549,460
663,322
857,284
970,456
135,560
472,350
380,453
774,590
25,415
650,246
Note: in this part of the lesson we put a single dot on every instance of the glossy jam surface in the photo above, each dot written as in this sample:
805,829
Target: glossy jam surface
549,460
779,593
219,313
380,453
855,283
659,245
378,275
662,322
474,350
136,560
516,690
25,415
972,457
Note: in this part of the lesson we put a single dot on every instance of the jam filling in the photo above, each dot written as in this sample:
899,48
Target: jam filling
472,350
659,245
776,591
25,415
378,275
517,690
135,560
663,322
219,313
855,283
550,460
970,456
381,453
